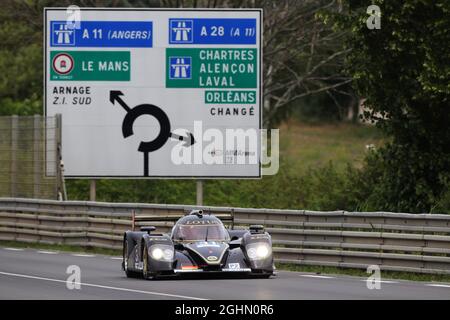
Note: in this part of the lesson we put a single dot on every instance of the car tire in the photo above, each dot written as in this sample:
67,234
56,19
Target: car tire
129,273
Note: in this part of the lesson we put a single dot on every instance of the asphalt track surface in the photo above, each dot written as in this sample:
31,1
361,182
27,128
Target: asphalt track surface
41,274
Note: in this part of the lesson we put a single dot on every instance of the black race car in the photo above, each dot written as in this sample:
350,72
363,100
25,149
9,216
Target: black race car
198,243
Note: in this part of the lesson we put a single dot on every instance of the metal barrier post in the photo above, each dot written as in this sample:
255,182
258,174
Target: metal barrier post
14,147
36,155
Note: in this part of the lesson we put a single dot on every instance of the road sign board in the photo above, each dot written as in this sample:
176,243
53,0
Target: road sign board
128,34
211,68
212,31
89,65
156,92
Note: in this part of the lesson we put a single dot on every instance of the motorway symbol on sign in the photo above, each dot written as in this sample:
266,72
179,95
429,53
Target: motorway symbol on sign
147,109
63,34
181,31
180,67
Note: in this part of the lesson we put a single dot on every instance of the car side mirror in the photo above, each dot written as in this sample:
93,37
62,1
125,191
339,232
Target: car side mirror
256,228
148,229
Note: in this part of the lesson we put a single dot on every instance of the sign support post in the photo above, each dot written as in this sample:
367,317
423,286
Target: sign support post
199,192
92,190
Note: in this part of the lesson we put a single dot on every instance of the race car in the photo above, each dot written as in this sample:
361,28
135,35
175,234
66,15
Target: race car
198,243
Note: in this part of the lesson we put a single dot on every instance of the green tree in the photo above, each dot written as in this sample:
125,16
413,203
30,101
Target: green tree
403,71
20,64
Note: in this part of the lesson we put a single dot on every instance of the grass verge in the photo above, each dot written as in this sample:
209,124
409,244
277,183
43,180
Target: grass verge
280,266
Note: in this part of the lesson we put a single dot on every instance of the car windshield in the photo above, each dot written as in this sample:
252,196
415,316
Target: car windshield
189,232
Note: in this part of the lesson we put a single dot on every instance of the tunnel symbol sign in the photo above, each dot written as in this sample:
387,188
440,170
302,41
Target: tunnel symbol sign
63,63
147,109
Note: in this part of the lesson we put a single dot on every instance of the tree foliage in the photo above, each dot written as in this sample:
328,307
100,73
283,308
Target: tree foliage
403,71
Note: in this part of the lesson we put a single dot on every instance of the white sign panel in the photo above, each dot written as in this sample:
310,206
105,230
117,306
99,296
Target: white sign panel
155,92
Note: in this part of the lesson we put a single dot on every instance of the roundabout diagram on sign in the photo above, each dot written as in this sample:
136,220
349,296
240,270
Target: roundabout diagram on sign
164,123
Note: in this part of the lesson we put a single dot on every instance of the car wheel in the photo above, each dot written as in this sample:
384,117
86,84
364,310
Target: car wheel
129,274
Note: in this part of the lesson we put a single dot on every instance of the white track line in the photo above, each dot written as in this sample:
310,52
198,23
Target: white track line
14,249
47,252
103,287
328,277
437,285
116,258
381,281
83,255
315,276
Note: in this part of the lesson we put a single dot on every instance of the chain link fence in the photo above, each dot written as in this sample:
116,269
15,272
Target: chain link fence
30,157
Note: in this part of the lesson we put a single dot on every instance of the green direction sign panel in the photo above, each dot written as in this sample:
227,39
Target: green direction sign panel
90,65
230,97
211,68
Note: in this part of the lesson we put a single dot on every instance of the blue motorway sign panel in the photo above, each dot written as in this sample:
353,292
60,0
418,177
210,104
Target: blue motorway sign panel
212,31
135,34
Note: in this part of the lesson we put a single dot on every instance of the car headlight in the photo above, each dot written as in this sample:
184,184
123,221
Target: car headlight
161,252
259,250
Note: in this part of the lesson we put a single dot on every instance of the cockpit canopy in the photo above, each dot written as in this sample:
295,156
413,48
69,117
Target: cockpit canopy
199,228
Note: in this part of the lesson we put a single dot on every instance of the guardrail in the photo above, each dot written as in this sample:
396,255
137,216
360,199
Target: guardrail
394,241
